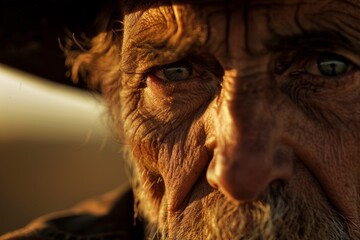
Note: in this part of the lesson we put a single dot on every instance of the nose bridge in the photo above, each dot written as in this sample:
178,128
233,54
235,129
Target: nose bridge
246,138
244,111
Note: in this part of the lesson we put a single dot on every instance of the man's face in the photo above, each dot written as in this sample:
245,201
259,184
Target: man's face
243,118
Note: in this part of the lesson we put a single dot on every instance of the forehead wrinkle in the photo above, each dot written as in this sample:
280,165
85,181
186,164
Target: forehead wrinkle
342,17
333,18
255,29
168,27
290,24
145,25
161,35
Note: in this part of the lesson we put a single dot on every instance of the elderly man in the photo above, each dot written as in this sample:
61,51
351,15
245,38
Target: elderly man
242,120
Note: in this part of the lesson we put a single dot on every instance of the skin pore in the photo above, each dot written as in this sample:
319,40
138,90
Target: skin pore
242,117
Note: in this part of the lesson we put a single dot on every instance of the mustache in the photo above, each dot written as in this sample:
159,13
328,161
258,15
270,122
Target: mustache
278,214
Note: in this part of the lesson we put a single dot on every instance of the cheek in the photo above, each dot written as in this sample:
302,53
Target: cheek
332,157
328,146
165,128
164,114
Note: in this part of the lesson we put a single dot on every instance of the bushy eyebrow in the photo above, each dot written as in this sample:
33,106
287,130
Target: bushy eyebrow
311,40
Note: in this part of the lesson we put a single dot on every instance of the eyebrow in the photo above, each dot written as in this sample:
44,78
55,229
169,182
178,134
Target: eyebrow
311,40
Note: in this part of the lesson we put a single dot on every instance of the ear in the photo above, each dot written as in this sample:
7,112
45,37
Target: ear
94,58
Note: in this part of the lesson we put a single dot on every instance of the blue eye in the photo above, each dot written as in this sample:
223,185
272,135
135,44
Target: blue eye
330,64
174,72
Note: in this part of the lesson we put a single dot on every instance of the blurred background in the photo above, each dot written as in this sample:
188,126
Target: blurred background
55,144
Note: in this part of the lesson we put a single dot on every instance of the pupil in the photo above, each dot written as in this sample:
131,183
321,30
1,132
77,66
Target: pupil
333,70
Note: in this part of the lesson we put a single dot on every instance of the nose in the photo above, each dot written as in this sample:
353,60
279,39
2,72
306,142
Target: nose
244,178
247,152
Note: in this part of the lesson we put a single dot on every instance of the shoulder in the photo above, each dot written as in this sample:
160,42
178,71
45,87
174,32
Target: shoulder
110,216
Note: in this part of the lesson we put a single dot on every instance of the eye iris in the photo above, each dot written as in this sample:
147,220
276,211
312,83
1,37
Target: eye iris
332,65
177,71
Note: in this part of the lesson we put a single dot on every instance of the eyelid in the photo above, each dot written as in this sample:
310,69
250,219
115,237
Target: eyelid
346,55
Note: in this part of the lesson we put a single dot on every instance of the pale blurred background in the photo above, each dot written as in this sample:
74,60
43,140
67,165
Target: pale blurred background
55,147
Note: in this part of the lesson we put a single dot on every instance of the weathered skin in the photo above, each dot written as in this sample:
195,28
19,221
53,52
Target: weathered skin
256,142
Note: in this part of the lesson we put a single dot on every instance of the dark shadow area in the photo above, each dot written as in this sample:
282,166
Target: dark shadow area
30,32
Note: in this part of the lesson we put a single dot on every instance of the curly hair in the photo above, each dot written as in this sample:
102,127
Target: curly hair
91,58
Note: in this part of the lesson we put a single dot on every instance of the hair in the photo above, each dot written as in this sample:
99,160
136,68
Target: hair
91,57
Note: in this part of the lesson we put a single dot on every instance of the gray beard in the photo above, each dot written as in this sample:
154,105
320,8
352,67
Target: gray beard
276,216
